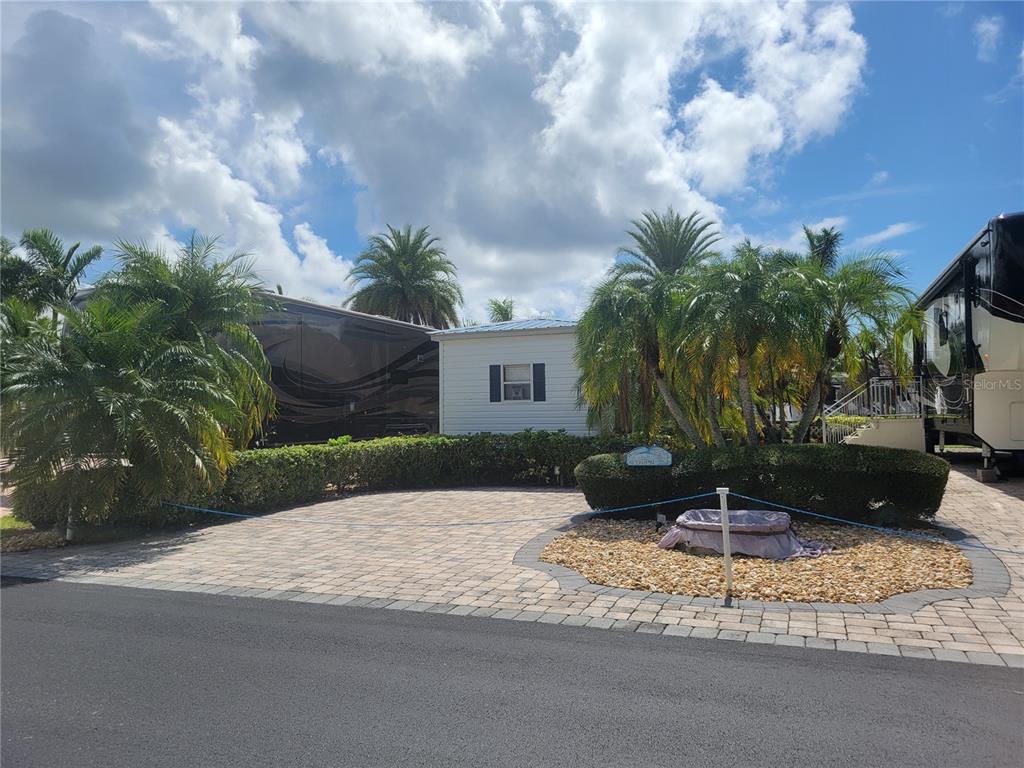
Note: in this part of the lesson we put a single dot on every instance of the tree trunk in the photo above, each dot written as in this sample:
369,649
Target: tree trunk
781,406
623,418
811,406
711,399
771,432
746,400
70,528
677,413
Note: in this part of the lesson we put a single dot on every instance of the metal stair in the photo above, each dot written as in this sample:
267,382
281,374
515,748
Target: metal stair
887,397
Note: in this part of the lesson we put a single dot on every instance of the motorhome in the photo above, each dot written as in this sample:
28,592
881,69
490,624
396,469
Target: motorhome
971,355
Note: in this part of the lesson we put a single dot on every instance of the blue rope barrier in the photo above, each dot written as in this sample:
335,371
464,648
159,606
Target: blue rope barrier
603,511
892,531
433,525
388,526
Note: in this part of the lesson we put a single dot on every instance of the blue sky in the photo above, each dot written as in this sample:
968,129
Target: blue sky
941,127
526,136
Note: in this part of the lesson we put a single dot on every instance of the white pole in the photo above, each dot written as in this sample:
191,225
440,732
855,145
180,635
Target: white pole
723,494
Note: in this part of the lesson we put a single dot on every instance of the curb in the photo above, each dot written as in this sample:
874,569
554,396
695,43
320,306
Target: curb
991,579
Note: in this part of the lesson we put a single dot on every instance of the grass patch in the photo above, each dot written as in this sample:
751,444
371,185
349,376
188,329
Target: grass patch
9,524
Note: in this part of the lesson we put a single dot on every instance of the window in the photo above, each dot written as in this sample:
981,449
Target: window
517,382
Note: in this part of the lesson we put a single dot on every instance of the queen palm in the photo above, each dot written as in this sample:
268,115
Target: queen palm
19,279
610,349
408,276
208,302
501,310
59,269
112,406
823,246
732,307
621,334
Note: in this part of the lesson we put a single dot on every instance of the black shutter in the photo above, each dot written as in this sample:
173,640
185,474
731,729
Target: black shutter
539,394
495,383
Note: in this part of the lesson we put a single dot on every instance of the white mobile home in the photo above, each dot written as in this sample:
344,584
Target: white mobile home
507,377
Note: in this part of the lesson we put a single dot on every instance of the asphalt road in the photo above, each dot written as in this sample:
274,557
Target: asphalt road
111,677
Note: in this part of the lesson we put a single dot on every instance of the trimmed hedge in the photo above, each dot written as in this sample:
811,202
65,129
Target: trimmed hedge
265,479
885,486
271,478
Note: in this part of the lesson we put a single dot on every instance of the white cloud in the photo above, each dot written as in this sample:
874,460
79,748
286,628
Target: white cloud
526,136
987,31
716,119
201,192
533,24
213,31
275,155
810,68
951,10
379,38
890,232
878,178
320,266
792,238
158,49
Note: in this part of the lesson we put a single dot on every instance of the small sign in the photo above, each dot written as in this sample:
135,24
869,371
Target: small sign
649,456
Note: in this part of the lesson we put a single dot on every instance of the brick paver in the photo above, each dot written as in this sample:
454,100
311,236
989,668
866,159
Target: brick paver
387,551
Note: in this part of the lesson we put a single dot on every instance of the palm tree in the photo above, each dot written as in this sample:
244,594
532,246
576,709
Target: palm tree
209,303
112,406
621,334
408,276
731,308
59,270
610,353
18,278
823,246
501,310
844,295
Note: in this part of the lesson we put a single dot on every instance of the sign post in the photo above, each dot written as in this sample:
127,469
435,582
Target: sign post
723,494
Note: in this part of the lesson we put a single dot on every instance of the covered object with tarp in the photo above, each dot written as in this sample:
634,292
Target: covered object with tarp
754,532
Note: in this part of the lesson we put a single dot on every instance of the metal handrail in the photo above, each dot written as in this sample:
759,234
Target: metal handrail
830,410
880,396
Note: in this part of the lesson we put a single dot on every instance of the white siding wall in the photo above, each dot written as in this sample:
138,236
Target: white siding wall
465,384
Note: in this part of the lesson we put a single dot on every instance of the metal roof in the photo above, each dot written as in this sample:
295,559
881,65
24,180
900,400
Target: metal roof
540,323
284,301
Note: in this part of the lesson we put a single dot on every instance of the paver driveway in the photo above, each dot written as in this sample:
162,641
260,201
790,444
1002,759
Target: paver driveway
386,550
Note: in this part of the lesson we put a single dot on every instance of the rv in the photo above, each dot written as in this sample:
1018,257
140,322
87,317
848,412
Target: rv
971,355
338,372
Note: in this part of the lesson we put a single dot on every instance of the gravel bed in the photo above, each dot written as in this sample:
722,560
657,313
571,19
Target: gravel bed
865,566
22,541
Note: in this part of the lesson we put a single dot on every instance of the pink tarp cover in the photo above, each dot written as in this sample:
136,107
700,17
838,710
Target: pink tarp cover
755,532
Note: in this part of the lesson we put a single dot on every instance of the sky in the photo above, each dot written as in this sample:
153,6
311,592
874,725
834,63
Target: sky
526,136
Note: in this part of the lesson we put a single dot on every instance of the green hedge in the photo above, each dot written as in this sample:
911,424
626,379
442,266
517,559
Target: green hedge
843,420
272,478
887,486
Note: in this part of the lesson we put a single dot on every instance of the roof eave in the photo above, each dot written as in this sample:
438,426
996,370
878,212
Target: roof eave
448,336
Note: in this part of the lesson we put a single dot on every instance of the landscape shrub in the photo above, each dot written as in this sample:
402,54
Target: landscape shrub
44,509
887,486
844,420
271,478
265,479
